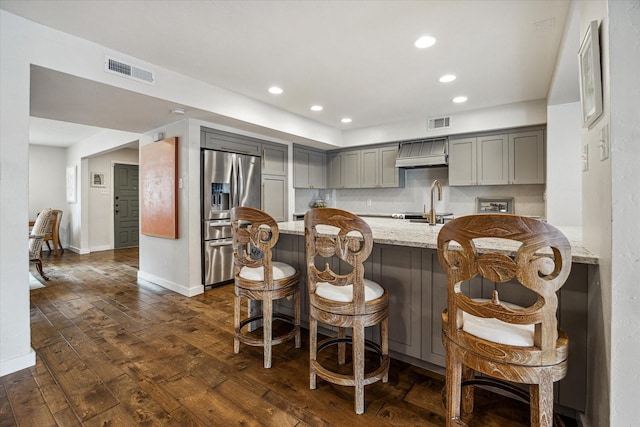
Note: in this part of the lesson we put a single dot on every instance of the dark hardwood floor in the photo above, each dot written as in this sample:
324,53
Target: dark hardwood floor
114,351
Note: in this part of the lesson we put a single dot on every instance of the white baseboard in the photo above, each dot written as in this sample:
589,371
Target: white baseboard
17,363
100,248
175,287
78,250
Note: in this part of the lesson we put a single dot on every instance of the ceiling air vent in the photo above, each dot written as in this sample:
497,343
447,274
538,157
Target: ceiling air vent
438,123
127,70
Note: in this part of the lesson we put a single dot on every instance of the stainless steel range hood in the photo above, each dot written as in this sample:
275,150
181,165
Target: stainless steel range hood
422,153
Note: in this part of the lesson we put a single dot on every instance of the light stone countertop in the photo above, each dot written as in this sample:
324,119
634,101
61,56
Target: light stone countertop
401,232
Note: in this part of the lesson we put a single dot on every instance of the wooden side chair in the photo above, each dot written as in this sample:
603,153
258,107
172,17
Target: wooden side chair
36,237
345,300
258,278
53,232
503,341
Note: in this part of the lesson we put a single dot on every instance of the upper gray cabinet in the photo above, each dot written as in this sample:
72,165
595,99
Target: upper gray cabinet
274,159
526,158
366,168
508,158
309,168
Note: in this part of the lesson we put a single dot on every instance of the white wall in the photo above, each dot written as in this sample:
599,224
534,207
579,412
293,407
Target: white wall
564,166
175,263
501,117
624,93
47,177
101,199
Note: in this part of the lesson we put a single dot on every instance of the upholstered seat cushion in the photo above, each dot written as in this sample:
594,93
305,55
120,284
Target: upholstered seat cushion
280,271
345,293
498,331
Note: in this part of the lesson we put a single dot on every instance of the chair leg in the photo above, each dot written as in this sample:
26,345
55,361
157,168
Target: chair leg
358,365
313,351
542,403
48,246
267,327
236,321
40,270
453,380
342,347
296,314
384,343
467,391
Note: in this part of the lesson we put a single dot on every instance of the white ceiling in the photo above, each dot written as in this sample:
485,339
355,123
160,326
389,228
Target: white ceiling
356,58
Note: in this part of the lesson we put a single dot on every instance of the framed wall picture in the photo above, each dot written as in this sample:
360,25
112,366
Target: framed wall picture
97,179
590,76
502,205
71,184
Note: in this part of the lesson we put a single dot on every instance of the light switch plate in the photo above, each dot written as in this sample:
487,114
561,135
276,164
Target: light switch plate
585,157
604,142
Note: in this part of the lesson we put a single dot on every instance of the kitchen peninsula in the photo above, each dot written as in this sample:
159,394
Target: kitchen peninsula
404,260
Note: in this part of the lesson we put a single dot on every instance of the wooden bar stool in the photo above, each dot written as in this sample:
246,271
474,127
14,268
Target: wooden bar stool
345,300
504,342
257,278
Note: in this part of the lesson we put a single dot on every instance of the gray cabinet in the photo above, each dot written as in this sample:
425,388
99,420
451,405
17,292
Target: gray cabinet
274,159
372,167
526,158
500,159
493,160
334,170
309,168
275,196
398,270
351,172
462,161
225,141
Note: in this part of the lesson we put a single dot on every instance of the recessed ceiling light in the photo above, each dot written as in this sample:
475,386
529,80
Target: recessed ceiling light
447,78
178,111
425,42
275,90
346,120
459,99
316,108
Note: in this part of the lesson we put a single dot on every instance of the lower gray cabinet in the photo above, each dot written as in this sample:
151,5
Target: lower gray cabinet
398,270
275,196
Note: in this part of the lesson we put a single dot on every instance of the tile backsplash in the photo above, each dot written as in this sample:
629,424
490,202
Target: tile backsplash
415,196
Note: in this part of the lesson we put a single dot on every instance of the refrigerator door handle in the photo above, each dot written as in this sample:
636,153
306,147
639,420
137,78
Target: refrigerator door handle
234,181
240,181
225,242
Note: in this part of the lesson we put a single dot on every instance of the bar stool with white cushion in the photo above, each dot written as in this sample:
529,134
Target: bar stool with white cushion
258,278
507,343
344,300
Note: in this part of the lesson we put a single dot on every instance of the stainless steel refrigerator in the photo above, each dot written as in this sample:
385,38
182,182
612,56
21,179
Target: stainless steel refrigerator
228,180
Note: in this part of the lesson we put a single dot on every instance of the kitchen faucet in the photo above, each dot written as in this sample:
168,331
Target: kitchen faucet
432,212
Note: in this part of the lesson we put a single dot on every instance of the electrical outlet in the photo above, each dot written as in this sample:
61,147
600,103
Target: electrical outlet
368,202
604,142
585,157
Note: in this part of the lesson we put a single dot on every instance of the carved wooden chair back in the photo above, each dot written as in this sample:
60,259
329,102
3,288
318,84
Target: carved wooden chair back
352,244
258,278
522,343
255,233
